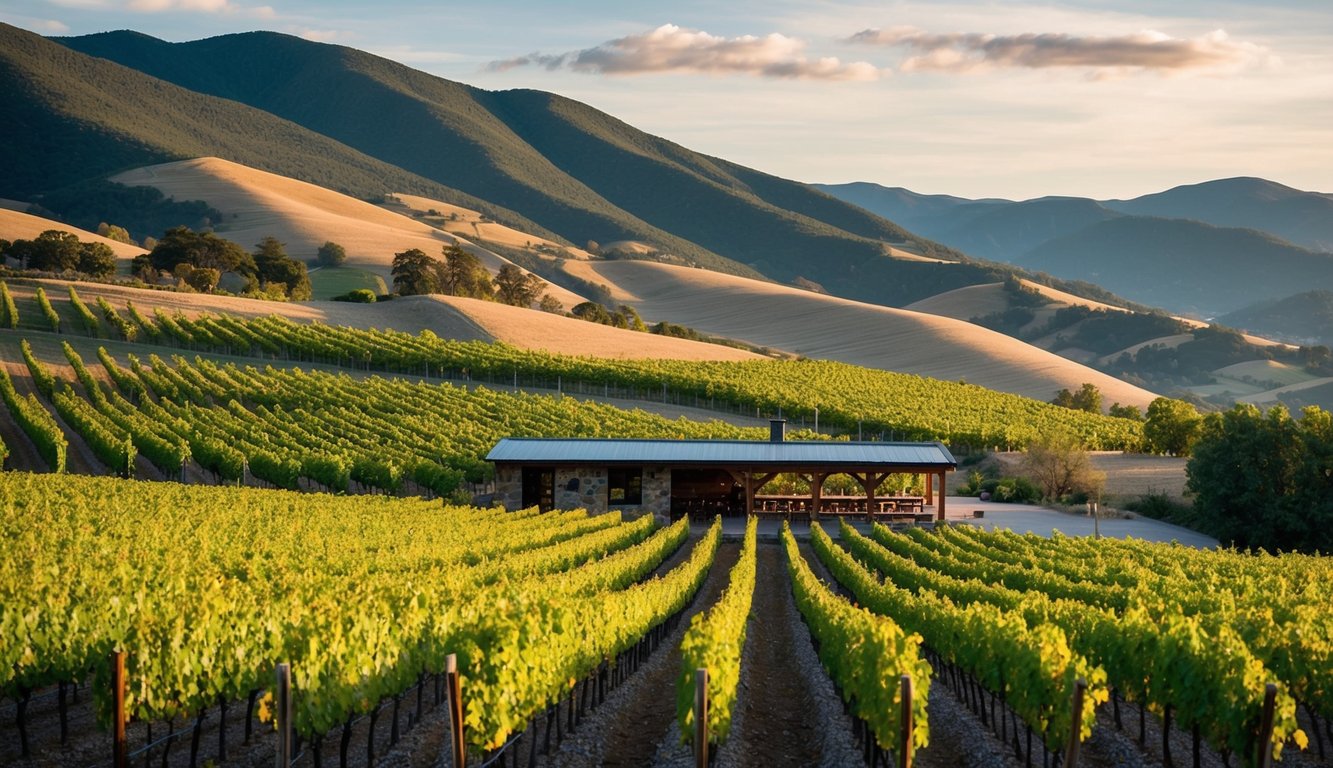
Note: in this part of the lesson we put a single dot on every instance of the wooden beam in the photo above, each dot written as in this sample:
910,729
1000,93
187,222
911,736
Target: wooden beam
816,492
939,511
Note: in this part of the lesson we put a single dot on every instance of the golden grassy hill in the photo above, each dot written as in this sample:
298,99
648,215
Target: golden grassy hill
821,326
16,225
256,204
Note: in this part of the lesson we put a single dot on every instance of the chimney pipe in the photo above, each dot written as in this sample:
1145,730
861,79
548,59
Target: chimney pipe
777,430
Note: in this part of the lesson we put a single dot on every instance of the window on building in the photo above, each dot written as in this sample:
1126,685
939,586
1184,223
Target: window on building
624,485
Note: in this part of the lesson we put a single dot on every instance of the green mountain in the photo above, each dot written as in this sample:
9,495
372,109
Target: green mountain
1303,218
574,170
1304,318
1184,266
71,118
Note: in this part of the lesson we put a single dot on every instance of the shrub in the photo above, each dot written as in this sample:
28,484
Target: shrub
358,296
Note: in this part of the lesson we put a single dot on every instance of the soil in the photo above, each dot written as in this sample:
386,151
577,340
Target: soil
777,728
633,732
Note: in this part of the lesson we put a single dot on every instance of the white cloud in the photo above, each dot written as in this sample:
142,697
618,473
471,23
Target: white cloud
320,35
1148,50
670,48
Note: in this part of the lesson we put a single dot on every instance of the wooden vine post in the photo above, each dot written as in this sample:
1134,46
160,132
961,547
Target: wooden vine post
282,714
455,692
1265,757
701,718
905,742
120,751
1076,724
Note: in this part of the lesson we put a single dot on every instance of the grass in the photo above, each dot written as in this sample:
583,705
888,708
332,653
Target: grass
327,282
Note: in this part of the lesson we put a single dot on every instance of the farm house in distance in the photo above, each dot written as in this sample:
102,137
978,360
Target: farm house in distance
672,478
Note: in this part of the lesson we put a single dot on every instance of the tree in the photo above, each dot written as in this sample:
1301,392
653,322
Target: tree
96,259
276,268
330,254
1088,398
629,318
415,273
202,279
181,245
141,266
1059,465
1171,427
113,232
463,275
52,251
592,312
1265,480
551,304
1130,412
514,286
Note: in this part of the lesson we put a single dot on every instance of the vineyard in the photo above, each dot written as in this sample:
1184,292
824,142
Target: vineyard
512,633
844,397
205,590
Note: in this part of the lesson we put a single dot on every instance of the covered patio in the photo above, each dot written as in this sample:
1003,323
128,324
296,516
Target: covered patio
701,478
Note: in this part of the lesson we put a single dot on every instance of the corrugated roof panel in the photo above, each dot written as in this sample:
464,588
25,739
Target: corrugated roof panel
601,451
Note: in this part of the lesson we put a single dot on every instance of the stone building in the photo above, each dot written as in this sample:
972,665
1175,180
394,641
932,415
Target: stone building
670,478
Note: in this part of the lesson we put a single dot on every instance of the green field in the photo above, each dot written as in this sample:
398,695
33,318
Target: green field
327,282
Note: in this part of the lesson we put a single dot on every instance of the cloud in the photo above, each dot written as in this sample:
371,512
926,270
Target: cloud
670,48
1149,50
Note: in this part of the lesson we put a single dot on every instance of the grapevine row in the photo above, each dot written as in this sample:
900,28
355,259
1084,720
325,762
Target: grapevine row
864,653
714,641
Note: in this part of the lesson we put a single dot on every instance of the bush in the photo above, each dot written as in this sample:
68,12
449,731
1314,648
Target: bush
1159,506
358,296
1013,490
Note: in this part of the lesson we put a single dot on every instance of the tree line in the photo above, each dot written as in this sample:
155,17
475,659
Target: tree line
460,273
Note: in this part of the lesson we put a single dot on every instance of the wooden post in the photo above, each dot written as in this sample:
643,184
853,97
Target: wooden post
1072,750
939,510
816,493
455,692
282,709
905,737
930,488
701,718
120,751
1265,757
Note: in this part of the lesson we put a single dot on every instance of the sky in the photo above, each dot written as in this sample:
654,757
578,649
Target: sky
973,98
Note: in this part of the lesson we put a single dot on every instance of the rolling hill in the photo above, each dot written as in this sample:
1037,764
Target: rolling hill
572,169
1182,250
833,328
304,215
756,311
1183,266
1304,318
71,118
1303,218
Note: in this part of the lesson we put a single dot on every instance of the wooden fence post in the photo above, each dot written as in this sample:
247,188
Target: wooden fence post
455,693
701,718
120,751
905,743
1265,757
1076,726
282,714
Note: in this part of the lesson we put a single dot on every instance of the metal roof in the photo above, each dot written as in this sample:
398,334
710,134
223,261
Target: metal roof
719,452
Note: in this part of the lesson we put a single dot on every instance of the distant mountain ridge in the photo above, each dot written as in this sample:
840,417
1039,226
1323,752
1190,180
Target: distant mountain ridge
1202,249
1303,318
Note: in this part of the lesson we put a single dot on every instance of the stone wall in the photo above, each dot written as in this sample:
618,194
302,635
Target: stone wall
585,488
509,486
581,488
